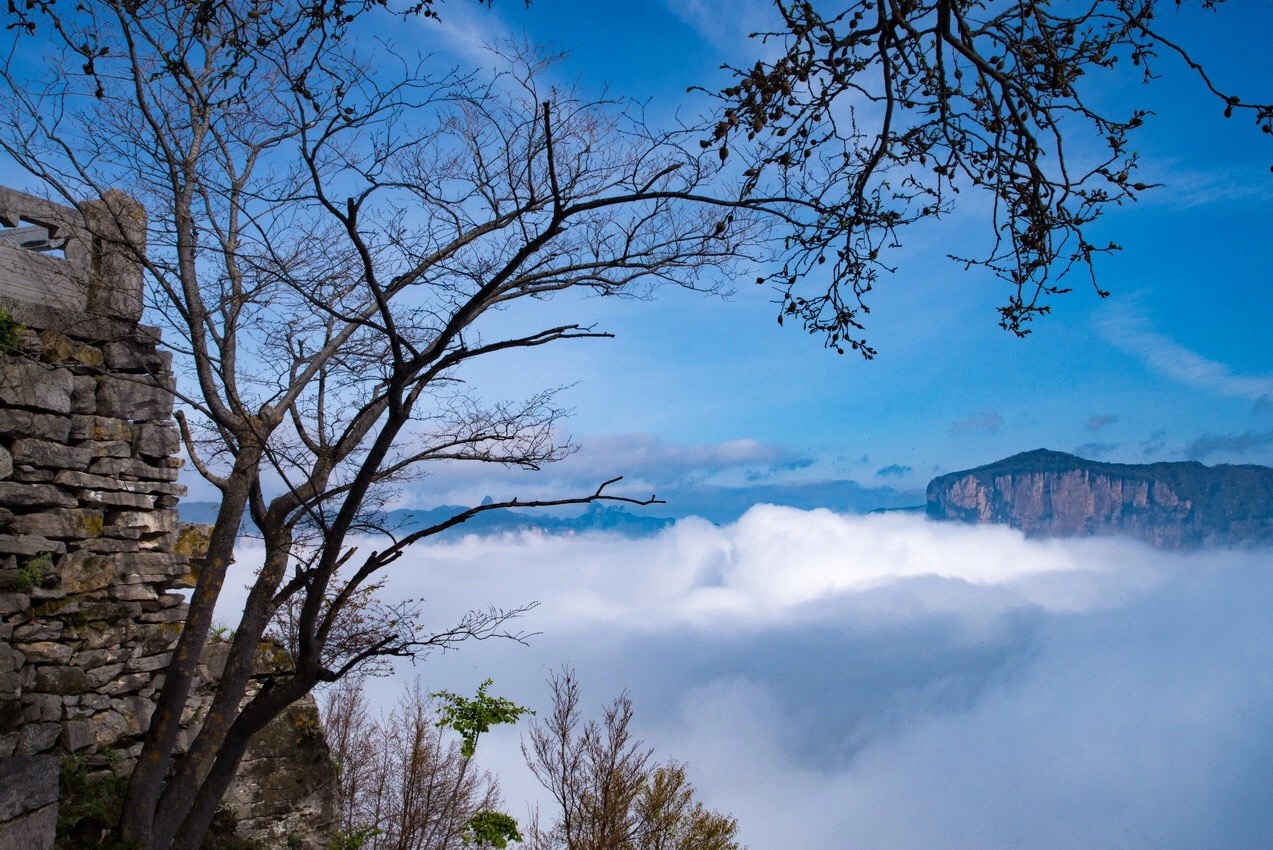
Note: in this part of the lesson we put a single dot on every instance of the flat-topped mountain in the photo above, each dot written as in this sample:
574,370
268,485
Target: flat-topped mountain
1170,505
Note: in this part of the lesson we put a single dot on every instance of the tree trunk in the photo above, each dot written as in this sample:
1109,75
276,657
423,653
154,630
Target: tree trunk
148,779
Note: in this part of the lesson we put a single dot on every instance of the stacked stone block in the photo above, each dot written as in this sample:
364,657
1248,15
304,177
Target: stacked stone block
92,554
91,549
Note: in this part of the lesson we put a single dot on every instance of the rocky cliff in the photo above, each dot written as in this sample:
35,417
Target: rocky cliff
1169,505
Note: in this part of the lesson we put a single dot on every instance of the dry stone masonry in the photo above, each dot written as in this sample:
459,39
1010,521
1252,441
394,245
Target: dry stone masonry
91,550
93,557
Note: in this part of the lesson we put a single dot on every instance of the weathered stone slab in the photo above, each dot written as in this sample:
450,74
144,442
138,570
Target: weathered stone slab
27,783
28,474
152,563
61,680
108,727
65,523
30,545
116,500
156,440
19,495
82,572
137,357
24,423
132,399
50,454
36,631
6,463
84,394
62,349
111,466
89,481
194,539
136,712
76,735
27,384
32,831
148,664
108,545
102,428
126,683
42,708
104,674
37,737
46,652
108,448
149,522
171,615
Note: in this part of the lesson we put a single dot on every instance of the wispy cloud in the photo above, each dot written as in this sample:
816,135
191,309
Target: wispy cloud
1100,420
466,31
1211,444
727,24
895,470
1095,450
648,463
1130,332
1185,186
1154,444
987,422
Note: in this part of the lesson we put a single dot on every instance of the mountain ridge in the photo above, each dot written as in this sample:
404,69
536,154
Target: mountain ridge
1169,504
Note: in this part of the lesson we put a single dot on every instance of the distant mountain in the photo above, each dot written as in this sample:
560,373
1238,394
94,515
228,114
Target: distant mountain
1170,505
596,517
716,504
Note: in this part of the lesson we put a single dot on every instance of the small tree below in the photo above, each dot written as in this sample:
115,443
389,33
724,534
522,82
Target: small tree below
609,792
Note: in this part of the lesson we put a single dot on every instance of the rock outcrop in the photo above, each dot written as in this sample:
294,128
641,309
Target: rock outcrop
1169,505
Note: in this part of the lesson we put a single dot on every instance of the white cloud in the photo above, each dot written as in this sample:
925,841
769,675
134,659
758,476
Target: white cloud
727,24
1130,332
889,682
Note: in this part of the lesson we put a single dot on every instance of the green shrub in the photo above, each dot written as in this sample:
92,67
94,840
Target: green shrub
88,813
10,332
32,572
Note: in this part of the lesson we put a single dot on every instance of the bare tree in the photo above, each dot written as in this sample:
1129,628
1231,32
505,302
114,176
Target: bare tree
609,793
876,114
330,227
405,782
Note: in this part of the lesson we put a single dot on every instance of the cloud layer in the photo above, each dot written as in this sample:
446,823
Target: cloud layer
887,682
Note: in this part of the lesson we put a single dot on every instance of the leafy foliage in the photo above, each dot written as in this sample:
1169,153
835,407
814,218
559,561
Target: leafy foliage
876,115
491,829
33,571
473,717
90,803
10,332
404,782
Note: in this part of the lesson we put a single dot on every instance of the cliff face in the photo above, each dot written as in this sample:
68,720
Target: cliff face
1169,505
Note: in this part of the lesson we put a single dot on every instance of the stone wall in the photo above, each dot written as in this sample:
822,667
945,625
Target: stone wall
91,550
28,802
92,554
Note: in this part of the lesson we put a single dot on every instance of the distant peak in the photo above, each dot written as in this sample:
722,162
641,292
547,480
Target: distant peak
488,501
1042,454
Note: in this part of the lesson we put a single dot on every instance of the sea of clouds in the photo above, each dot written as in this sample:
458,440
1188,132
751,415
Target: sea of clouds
884,681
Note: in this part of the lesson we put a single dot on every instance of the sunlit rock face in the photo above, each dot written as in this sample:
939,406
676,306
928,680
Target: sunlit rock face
1169,505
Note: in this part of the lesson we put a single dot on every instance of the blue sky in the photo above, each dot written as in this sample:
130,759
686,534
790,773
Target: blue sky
1175,365
884,681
